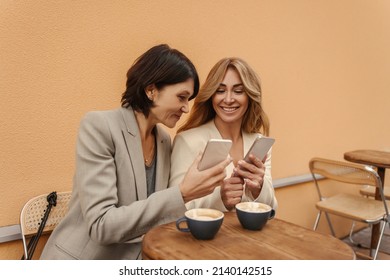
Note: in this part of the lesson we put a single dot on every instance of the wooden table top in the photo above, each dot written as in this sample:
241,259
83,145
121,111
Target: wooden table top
370,157
278,240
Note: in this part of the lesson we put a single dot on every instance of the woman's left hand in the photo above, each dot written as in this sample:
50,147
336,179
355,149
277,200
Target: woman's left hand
252,173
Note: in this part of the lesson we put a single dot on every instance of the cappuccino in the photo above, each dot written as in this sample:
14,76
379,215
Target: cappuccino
254,215
204,218
204,214
254,207
203,223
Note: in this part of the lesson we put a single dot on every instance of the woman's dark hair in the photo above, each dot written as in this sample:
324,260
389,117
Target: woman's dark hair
161,66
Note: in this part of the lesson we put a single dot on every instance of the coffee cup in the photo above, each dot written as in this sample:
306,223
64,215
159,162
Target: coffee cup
203,223
254,215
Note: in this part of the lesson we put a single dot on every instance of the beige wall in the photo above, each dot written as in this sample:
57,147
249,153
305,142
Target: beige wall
324,67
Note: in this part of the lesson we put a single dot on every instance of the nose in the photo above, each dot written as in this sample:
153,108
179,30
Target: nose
185,108
229,97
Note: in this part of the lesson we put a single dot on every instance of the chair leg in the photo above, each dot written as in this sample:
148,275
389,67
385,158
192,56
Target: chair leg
317,221
350,236
380,240
330,224
387,234
25,247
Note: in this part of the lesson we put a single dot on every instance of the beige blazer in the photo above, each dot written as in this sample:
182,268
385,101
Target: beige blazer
109,210
186,147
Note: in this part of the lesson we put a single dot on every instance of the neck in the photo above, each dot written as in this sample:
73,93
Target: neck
145,125
230,131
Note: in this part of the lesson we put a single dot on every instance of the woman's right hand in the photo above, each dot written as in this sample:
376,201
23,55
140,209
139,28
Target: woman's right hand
232,190
197,183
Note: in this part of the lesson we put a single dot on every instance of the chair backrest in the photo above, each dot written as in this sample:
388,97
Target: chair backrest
33,211
346,172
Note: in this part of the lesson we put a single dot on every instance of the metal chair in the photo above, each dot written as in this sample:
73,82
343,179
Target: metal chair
351,206
368,191
32,214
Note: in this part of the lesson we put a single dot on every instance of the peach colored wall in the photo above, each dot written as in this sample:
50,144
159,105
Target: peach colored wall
324,67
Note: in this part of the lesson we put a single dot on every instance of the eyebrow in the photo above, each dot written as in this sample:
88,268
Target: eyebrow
236,85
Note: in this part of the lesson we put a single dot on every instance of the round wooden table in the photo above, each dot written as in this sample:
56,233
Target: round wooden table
278,240
380,160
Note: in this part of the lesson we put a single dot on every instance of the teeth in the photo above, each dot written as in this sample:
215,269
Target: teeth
229,109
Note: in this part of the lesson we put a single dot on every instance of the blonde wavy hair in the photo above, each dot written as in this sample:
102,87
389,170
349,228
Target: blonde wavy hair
255,119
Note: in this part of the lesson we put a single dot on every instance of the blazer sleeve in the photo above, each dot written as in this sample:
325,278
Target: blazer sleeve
107,221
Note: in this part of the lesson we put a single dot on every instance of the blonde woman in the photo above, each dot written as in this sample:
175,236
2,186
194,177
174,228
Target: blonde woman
228,106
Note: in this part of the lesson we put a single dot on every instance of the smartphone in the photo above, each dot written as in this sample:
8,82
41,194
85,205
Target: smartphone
260,147
216,151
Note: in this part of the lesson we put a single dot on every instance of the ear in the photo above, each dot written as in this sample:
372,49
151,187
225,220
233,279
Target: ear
150,91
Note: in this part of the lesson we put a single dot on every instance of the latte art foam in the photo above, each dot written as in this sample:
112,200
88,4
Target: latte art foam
204,218
204,214
254,207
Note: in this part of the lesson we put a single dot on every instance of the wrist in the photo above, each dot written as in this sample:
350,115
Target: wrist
183,193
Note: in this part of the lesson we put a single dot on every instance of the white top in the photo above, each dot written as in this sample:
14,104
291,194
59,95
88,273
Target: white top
186,147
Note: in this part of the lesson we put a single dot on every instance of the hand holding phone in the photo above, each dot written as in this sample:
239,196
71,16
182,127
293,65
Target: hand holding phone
215,152
260,147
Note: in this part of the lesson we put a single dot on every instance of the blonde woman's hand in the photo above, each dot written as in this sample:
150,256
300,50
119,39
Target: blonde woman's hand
232,190
252,173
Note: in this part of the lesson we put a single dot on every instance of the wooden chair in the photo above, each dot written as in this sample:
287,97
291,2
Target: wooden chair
370,191
32,213
351,206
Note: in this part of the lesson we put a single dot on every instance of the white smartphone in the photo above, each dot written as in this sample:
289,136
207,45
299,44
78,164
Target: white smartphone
215,152
260,147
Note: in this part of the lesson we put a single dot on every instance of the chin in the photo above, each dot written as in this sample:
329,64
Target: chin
170,124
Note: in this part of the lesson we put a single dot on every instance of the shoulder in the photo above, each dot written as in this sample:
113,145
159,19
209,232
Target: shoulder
194,137
101,122
206,130
98,116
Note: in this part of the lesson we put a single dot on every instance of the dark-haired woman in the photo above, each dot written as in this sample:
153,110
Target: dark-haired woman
123,163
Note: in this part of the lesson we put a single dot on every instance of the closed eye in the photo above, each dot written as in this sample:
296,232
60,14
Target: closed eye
220,90
183,97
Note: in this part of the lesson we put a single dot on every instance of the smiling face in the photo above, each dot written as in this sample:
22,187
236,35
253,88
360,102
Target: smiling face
170,102
230,101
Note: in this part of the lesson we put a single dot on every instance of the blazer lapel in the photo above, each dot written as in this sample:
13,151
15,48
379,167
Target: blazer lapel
134,148
248,140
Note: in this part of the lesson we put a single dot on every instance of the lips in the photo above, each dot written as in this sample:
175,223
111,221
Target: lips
178,116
